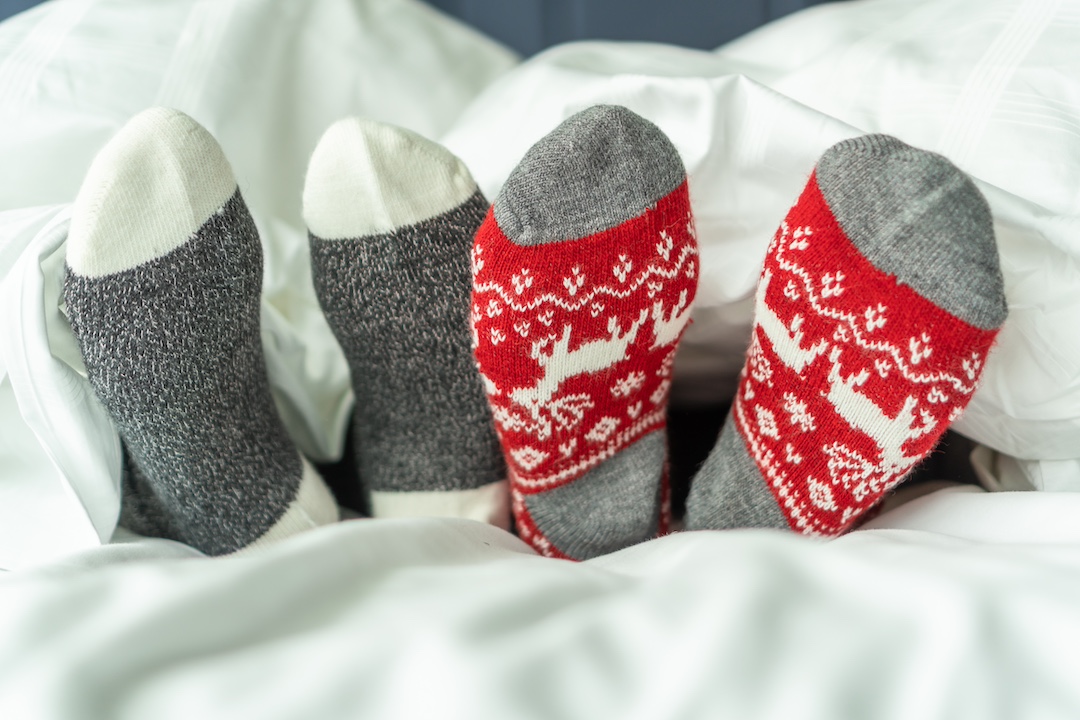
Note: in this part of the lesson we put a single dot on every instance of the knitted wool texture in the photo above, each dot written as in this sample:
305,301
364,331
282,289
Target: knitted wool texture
855,368
576,340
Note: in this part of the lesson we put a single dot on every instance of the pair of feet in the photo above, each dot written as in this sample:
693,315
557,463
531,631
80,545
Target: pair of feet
880,297
163,285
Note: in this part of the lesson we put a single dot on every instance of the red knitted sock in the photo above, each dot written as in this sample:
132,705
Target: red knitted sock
584,273
879,300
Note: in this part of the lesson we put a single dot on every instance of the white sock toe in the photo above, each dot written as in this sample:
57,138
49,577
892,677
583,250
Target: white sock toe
149,189
369,178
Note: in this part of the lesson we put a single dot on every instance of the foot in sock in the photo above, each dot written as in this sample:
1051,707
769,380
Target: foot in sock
878,303
164,269
391,218
584,273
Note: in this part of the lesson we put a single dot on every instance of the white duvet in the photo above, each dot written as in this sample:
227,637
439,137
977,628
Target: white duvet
961,604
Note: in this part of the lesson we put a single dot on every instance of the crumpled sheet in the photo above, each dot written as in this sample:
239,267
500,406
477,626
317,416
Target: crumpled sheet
938,620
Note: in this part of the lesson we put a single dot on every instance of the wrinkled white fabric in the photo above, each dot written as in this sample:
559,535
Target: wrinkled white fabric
266,78
455,619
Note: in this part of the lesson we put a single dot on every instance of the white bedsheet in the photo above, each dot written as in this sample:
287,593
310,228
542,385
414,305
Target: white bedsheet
962,604
454,619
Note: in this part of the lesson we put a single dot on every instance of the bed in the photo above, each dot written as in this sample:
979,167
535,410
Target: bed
961,603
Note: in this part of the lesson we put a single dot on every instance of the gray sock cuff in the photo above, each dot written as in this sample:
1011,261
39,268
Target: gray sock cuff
599,168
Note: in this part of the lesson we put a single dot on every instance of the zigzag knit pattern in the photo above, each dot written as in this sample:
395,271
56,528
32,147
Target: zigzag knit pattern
576,347
850,378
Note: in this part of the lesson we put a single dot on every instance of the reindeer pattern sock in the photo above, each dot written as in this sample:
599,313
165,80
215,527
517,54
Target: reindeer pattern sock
391,218
164,271
584,272
879,300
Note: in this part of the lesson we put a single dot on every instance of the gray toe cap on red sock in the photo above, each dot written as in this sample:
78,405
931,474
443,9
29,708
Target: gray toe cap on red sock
613,506
915,215
599,168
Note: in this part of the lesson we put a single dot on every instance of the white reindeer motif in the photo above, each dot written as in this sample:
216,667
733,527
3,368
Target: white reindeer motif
563,363
890,433
668,330
786,342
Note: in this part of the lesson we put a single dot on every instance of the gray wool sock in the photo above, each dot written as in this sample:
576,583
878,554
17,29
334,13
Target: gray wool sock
164,269
879,300
391,218
585,273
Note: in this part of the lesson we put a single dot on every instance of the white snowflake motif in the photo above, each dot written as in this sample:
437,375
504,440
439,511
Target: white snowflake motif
596,309
920,349
634,410
791,290
882,366
972,365
522,328
780,235
691,269
842,334
690,229
666,365
494,308
766,422
850,469
623,268
663,248
875,317
654,287
602,430
791,456
830,284
567,448
528,457
546,317
660,393
573,284
522,281
497,336
569,410
798,413
927,425
936,396
759,365
477,264
798,238
628,385
821,495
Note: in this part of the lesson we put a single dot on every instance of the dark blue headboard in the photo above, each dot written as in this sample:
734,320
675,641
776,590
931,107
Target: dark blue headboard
529,26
